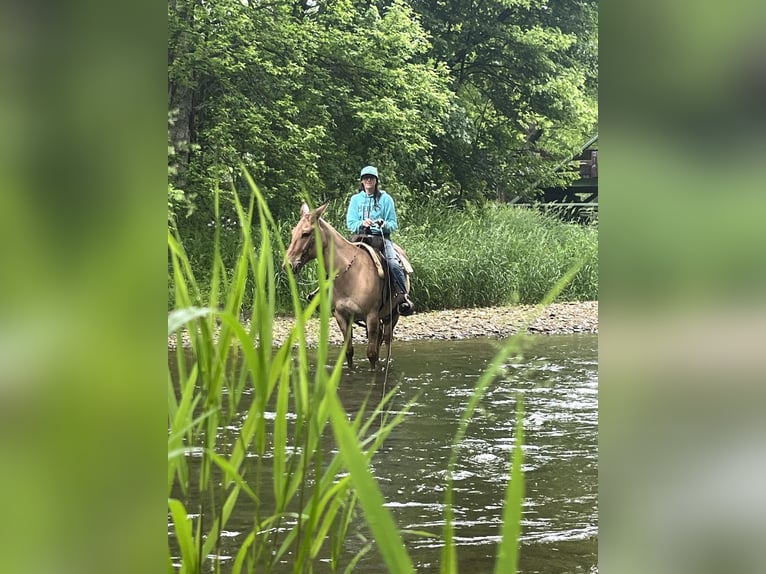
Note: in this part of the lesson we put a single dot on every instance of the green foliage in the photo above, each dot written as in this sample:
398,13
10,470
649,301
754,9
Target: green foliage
467,101
302,98
525,75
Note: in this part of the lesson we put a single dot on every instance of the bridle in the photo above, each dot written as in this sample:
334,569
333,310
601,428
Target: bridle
306,248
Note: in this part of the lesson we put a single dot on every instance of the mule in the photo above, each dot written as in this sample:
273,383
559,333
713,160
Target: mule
359,293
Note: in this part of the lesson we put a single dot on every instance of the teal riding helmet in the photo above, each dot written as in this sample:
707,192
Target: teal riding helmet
369,170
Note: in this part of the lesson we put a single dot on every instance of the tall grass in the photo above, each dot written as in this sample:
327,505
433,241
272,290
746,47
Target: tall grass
496,255
475,257
230,444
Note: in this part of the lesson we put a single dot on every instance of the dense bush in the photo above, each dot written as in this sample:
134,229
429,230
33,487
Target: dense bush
496,255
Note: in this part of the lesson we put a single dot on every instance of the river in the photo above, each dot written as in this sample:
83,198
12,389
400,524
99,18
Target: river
557,376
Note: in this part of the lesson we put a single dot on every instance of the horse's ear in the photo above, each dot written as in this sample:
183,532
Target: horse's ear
320,210
305,209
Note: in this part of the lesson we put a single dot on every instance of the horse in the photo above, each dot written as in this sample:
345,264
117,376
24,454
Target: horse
361,291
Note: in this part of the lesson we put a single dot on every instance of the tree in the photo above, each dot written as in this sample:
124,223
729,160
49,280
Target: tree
466,99
300,94
525,75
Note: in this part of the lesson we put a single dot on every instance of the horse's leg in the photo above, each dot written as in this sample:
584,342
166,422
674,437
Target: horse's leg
346,327
387,334
381,335
391,325
373,338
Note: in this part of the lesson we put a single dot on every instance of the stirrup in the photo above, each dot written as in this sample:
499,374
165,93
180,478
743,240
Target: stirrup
406,307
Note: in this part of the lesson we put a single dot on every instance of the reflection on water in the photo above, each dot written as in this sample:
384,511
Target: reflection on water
558,379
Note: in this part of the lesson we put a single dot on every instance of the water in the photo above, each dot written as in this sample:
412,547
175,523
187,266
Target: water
558,380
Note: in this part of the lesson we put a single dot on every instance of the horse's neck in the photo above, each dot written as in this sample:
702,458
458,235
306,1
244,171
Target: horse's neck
344,250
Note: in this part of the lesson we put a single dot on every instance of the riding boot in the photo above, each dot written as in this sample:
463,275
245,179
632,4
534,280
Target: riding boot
405,304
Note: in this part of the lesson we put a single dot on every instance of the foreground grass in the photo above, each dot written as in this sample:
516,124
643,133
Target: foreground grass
230,443
223,442
478,257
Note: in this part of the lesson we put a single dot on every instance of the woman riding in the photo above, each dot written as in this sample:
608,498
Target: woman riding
371,211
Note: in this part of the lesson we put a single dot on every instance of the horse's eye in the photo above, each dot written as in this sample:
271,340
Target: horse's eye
305,233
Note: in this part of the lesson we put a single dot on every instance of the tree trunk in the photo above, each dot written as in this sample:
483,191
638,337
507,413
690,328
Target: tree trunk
180,107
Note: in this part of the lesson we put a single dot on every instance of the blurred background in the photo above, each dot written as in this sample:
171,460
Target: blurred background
682,277
82,314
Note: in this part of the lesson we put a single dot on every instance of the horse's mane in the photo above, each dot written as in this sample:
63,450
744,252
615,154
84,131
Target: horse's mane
328,226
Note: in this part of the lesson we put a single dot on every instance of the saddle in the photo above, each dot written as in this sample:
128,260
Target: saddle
374,246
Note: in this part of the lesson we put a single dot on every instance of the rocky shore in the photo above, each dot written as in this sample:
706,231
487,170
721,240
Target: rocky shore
556,318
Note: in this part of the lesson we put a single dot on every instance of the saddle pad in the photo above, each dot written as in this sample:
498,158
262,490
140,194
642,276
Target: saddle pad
404,259
375,258
377,255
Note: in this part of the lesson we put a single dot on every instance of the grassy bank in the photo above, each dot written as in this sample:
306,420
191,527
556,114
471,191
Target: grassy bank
484,256
496,255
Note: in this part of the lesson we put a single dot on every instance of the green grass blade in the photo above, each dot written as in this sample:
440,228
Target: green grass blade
514,344
179,317
233,474
359,555
184,536
508,551
242,553
387,536
280,438
449,553
336,498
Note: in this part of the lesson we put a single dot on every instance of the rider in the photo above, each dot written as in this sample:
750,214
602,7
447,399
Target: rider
371,211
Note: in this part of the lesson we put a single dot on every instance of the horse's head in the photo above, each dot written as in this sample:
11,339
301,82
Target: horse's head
302,248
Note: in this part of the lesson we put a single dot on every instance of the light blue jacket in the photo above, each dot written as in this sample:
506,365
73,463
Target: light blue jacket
362,206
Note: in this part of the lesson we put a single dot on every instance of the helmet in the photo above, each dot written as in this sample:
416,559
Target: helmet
369,170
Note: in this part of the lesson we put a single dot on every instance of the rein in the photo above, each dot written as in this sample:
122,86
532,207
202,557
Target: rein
350,263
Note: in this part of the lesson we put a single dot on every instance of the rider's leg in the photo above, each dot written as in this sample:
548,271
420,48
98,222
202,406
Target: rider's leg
406,306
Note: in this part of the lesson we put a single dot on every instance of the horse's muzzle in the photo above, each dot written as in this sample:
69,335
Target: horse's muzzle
296,265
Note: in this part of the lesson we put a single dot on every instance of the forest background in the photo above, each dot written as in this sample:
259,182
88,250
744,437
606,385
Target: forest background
461,105
458,102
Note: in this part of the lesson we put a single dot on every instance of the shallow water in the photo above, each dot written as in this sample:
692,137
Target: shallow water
558,380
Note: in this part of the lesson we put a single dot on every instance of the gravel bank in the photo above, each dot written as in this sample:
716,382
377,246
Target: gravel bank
557,318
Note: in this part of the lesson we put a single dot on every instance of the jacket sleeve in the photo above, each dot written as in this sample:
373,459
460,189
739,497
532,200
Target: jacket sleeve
388,213
353,223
